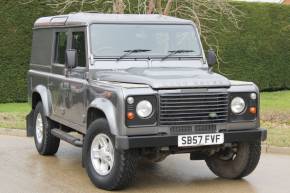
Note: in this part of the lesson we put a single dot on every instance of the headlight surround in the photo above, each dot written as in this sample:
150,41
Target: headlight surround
145,113
238,105
144,109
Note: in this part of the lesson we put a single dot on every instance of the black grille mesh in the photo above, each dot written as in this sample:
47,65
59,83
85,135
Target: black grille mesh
193,108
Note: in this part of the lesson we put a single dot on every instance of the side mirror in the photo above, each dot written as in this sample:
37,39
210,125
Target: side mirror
211,58
71,57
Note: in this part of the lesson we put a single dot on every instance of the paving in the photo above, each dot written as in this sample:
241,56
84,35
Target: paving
23,170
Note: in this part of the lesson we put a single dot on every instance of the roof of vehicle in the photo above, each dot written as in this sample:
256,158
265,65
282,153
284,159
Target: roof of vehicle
87,18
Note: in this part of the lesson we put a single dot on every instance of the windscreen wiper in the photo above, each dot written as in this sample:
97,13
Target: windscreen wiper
129,52
173,52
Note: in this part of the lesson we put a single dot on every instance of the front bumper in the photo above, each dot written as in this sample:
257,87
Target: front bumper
128,142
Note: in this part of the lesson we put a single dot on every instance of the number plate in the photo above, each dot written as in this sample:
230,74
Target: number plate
200,140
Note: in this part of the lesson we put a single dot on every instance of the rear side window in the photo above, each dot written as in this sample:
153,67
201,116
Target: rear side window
42,47
60,47
78,43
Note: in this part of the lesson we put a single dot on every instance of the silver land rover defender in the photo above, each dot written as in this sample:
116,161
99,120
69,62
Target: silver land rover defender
125,87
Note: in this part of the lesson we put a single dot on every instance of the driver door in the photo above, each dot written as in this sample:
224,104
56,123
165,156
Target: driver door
76,102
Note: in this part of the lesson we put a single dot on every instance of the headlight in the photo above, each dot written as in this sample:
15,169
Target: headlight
238,105
144,109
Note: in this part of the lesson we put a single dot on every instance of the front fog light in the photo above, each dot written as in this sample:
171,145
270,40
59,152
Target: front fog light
253,96
130,100
238,105
144,109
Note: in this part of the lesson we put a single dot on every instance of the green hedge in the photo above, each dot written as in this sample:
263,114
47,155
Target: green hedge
16,20
259,52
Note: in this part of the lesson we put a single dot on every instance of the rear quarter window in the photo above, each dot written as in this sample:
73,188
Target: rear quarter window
42,43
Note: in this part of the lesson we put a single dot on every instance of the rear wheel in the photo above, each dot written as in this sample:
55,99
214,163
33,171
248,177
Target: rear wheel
107,167
235,162
46,144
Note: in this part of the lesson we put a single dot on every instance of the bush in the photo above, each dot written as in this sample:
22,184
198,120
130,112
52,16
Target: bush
258,52
16,23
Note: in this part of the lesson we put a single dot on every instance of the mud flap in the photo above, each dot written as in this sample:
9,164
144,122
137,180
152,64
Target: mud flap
29,124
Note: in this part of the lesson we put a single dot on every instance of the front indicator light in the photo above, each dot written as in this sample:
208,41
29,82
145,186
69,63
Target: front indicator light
253,110
130,116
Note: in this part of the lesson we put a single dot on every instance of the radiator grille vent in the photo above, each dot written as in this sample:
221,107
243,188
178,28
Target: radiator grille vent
193,108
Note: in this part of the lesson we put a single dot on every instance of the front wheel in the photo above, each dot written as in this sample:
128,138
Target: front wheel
107,167
235,162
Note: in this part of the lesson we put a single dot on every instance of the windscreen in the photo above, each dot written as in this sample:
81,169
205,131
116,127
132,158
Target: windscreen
113,40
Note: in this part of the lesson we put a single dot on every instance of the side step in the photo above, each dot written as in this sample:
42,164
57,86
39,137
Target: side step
67,137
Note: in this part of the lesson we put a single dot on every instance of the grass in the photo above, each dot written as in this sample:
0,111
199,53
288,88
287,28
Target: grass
278,133
12,115
275,101
14,107
275,116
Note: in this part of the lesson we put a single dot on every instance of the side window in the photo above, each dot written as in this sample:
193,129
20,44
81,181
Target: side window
78,43
60,47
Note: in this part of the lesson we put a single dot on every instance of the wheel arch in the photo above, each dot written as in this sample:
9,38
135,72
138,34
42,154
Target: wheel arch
102,108
41,93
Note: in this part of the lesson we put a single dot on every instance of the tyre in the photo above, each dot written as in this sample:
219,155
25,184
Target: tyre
107,167
235,164
45,142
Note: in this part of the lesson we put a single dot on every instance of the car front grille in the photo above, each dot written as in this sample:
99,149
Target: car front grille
193,108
